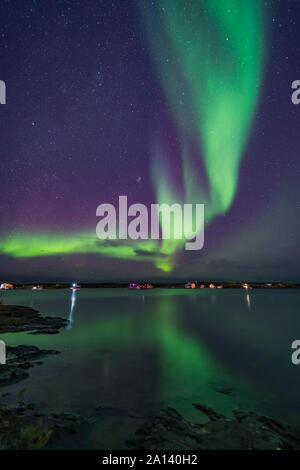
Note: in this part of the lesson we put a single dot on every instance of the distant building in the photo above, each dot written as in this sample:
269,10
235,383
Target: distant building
190,285
134,285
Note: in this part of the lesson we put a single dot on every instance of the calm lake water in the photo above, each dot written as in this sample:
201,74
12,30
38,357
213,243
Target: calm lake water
134,352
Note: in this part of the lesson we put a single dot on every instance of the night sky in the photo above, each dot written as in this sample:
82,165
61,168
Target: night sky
171,100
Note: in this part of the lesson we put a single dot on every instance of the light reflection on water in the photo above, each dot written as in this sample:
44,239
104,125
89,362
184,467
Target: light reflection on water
248,301
70,317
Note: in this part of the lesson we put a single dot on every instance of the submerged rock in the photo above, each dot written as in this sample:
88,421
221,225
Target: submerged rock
10,375
223,389
110,410
22,352
19,358
246,431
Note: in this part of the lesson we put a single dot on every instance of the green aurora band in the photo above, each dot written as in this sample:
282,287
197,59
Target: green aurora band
27,245
209,57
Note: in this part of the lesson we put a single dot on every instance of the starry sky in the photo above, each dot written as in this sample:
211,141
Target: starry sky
162,101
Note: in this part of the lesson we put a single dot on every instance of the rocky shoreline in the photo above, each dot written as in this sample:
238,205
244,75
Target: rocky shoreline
21,358
168,430
18,360
24,428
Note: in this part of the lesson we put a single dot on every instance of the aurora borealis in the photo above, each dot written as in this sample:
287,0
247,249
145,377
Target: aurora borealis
214,90
163,101
211,66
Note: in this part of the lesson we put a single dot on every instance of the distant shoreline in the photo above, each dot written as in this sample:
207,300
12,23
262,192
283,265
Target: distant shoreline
164,285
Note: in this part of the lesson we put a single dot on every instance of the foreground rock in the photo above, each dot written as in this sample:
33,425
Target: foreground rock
22,428
19,359
15,319
246,431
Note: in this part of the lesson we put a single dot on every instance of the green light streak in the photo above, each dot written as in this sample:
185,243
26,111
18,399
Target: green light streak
209,56
27,245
